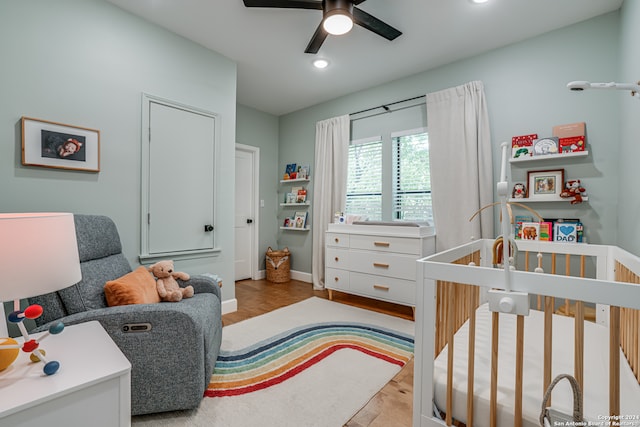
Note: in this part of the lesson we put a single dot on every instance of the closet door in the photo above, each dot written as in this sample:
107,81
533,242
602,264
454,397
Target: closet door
180,157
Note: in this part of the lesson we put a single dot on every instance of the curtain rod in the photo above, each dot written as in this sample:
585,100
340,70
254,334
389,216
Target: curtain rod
386,106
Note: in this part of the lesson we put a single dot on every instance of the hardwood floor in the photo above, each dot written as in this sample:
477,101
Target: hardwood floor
392,406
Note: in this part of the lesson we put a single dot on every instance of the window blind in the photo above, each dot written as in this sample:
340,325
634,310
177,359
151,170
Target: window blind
411,177
364,181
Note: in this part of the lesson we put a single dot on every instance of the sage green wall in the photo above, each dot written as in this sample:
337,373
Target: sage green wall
629,200
87,63
525,86
261,130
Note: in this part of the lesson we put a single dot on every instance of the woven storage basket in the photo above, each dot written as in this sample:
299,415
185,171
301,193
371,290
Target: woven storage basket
278,265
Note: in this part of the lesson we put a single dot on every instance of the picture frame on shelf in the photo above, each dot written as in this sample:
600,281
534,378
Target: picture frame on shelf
545,184
60,146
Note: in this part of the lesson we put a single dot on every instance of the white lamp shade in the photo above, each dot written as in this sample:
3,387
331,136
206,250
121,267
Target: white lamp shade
38,254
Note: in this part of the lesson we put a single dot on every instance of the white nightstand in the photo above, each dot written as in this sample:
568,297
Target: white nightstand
92,387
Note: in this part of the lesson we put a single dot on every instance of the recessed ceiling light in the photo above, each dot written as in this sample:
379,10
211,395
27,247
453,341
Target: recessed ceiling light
479,1
320,63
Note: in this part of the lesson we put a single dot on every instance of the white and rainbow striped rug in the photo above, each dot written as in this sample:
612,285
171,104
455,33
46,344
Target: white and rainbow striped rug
314,363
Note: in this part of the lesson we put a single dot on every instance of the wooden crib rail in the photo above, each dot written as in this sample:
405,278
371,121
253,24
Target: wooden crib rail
456,303
629,322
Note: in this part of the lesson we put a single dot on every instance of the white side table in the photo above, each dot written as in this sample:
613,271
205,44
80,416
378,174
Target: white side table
91,388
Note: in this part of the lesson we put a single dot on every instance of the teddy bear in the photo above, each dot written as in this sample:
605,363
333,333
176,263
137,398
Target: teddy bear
168,287
574,189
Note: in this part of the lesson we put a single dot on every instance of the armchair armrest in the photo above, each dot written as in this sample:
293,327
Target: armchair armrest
204,283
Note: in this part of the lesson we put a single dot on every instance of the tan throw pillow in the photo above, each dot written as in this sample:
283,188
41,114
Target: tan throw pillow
137,287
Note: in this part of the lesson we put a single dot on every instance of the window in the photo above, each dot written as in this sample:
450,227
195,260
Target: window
391,186
364,181
411,178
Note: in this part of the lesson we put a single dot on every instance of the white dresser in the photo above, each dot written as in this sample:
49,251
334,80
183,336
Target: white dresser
376,261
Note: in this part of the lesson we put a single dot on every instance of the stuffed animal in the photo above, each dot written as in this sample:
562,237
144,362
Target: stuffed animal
573,188
168,287
519,191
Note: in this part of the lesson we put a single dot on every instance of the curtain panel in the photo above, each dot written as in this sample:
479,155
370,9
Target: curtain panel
461,164
330,185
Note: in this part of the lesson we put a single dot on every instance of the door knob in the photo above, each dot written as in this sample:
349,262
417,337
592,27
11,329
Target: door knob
208,228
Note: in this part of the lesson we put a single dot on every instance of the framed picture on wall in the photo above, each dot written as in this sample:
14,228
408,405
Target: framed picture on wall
545,184
56,145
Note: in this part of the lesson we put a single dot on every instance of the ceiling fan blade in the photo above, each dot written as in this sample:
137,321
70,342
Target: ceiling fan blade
372,23
288,4
316,41
357,2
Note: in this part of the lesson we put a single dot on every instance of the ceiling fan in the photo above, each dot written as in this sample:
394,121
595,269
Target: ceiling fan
341,13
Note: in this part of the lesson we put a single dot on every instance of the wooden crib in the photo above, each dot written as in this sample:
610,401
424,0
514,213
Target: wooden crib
500,391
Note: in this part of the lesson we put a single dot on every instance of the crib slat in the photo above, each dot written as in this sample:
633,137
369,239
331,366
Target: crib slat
549,303
450,331
493,399
472,351
578,361
517,420
567,272
614,360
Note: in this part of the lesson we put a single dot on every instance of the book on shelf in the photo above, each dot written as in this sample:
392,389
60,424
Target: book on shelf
301,196
522,145
290,198
571,137
567,230
303,171
300,219
290,171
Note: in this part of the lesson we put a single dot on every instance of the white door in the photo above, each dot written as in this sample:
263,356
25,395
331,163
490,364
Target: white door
181,179
245,212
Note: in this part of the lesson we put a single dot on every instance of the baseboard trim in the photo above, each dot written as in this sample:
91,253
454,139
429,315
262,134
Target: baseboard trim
303,277
229,306
295,275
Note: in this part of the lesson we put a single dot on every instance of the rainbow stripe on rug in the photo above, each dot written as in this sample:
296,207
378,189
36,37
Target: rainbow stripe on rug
285,355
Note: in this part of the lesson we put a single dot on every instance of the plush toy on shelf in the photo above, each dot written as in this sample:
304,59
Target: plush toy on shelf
573,189
168,287
519,191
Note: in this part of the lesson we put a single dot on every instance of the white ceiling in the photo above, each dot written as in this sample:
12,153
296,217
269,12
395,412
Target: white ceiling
277,77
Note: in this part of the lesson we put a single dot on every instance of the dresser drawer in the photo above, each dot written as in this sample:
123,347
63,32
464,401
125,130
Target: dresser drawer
337,258
384,288
338,240
336,279
384,264
402,245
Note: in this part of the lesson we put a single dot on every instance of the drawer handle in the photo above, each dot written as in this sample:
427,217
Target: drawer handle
382,244
337,259
381,288
337,240
336,279
381,265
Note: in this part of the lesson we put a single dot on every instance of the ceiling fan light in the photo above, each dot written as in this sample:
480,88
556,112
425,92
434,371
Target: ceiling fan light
337,23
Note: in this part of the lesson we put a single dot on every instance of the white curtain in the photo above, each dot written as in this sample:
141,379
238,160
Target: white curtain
461,164
329,185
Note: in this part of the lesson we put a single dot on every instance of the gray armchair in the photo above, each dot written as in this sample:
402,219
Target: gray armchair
172,362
